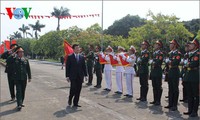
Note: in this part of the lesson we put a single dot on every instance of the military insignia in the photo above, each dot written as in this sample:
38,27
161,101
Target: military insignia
196,58
160,57
178,57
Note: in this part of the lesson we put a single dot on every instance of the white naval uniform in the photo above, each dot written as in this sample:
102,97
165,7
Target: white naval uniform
108,72
119,73
129,74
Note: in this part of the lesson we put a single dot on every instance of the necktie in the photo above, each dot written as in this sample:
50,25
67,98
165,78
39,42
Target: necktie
77,58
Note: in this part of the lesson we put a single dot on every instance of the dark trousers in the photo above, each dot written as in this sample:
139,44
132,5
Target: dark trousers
11,85
185,94
90,73
20,88
173,91
157,88
99,76
144,87
193,96
75,90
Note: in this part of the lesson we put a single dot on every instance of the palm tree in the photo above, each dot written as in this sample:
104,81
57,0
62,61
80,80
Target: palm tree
58,13
24,30
37,27
17,35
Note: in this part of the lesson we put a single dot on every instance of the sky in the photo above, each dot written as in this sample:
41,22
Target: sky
112,10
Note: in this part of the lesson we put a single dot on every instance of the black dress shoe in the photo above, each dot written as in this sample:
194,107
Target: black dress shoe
126,95
181,100
138,99
152,102
118,92
143,99
130,96
168,106
166,96
105,89
95,86
23,105
98,86
69,102
187,113
88,84
108,90
13,99
193,115
77,106
19,108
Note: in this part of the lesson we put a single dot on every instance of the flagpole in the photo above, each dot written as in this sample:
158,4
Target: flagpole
102,27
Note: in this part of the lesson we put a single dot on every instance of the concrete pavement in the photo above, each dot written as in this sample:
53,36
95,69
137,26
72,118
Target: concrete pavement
46,99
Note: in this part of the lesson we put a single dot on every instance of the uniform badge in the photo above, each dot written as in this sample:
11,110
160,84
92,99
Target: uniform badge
178,57
196,58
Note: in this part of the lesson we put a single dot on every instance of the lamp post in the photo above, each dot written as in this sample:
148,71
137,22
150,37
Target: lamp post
102,27
11,38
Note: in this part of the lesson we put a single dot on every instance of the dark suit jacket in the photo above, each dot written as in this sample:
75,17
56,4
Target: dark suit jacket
74,69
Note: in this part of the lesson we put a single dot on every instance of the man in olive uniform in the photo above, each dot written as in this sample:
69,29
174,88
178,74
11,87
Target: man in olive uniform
90,64
98,67
143,71
184,68
9,71
21,71
156,73
173,75
192,77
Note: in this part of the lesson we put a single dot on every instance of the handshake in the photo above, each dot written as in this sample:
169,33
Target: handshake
68,80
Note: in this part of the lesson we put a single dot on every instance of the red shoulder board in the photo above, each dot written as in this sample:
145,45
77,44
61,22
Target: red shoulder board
196,58
178,57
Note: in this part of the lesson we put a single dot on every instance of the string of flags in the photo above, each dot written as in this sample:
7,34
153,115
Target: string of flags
61,17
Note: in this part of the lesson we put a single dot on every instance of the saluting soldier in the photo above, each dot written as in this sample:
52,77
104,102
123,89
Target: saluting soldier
183,71
108,68
9,70
119,71
173,75
192,77
21,72
143,71
129,62
156,73
98,67
90,64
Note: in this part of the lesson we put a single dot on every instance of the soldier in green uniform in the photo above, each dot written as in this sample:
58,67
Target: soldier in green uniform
21,71
184,68
9,70
143,71
192,77
156,73
90,64
173,75
98,67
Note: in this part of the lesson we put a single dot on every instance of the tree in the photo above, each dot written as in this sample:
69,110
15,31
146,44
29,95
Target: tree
24,30
60,13
17,35
122,26
37,27
192,25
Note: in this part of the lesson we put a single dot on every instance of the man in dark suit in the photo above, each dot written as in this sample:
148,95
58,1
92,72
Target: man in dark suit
75,72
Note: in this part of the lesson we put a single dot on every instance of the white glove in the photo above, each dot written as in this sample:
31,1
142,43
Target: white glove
123,57
150,61
138,59
115,57
167,60
185,62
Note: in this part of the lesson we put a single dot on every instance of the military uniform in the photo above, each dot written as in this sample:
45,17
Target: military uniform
98,70
90,66
156,76
22,72
9,71
184,79
192,78
143,74
173,77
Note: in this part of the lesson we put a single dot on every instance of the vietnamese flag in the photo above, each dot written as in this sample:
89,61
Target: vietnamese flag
1,48
67,49
7,43
113,61
124,62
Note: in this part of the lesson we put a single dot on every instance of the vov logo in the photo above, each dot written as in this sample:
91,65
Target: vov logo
18,13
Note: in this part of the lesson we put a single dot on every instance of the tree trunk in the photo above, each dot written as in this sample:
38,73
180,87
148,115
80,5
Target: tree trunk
58,28
36,37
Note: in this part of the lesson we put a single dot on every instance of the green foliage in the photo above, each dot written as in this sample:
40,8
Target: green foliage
192,25
37,27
